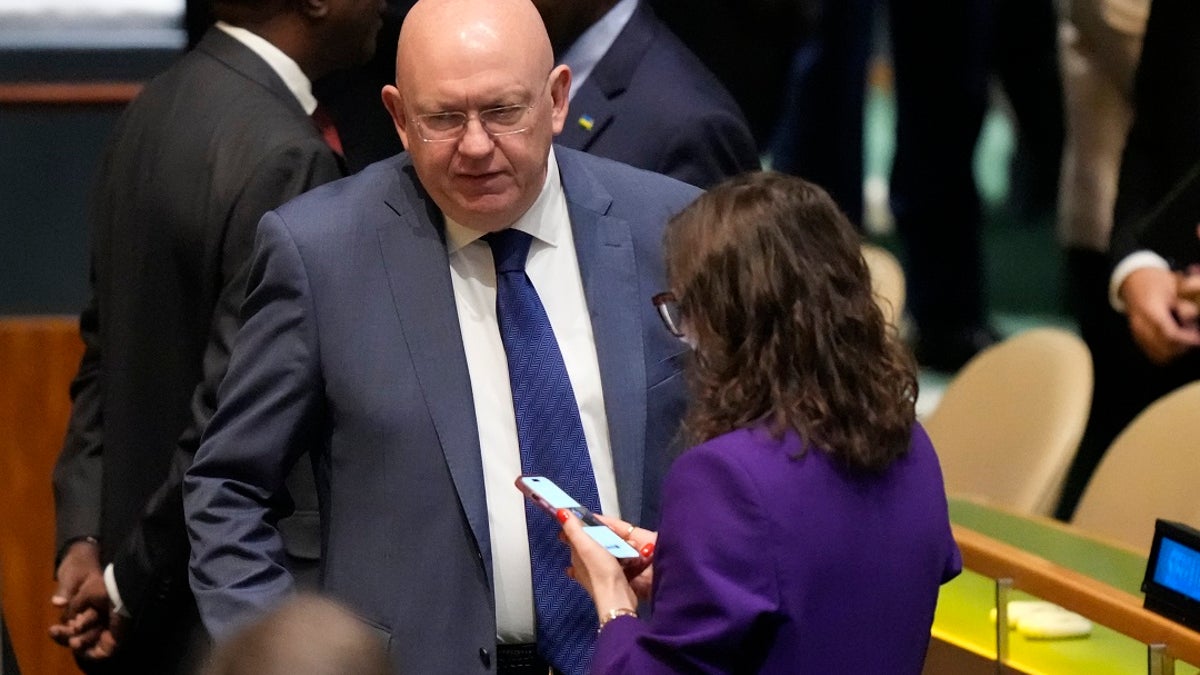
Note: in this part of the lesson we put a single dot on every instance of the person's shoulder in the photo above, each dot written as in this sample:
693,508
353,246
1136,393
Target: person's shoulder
920,445
622,180
668,65
919,465
348,196
202,100
752,449
743,465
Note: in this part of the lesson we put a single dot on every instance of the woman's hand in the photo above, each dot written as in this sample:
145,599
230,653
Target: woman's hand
639,572
595,569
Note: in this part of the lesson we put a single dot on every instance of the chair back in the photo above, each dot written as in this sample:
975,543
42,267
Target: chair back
1151,470
1009,423
887,281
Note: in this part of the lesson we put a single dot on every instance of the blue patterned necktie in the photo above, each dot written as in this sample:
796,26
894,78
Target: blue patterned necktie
552,444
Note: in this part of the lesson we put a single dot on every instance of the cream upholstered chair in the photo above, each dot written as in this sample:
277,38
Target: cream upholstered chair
887,281
1010,421
1151,470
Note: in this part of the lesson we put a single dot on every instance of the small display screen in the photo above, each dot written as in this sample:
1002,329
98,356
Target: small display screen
1178,568
554,496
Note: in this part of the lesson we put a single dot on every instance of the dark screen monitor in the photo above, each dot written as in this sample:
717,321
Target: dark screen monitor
1172,581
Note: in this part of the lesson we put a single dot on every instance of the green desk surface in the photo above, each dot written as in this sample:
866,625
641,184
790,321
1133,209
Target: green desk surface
964,604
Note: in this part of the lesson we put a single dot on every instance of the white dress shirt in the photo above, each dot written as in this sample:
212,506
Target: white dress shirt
1128,265
553,268
283,65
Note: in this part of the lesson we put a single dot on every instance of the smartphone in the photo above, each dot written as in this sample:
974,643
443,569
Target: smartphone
551,498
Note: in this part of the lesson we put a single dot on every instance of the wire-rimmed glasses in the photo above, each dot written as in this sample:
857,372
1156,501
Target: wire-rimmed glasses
505,120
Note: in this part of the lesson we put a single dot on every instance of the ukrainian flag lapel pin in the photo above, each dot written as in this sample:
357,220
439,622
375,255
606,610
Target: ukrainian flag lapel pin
586,122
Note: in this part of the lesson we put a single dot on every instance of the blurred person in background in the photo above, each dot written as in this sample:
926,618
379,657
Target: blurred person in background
1100,43
307,635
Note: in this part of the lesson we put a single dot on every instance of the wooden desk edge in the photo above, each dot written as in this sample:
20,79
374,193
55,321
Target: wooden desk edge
1097,601
1047,521
68,93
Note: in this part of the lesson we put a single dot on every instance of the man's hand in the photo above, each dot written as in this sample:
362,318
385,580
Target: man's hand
88,625
91,609
1162,321
108,641
94,630
81,560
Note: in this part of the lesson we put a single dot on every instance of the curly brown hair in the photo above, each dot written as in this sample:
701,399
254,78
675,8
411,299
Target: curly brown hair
775,294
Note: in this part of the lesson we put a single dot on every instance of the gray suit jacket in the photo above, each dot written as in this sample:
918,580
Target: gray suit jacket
207,148
351,351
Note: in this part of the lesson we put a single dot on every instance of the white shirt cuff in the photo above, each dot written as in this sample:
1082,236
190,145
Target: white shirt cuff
1129,264
114,595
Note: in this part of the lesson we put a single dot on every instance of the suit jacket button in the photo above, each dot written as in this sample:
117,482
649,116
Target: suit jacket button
485,657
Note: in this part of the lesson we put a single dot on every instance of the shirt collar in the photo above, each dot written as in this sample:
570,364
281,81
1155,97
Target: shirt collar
283,65
539,220
593,44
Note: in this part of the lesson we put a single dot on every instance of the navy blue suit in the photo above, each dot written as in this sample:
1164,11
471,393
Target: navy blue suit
351,351
652,104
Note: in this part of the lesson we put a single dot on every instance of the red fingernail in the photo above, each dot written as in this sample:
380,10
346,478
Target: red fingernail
647,550
562,515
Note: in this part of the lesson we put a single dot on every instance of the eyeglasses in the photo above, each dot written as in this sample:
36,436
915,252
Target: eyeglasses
450,126
668,310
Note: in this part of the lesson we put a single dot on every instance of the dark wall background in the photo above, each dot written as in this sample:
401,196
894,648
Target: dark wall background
48,158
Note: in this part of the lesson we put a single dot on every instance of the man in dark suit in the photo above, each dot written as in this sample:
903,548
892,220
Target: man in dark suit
379,347
1151,348
206,149
639,96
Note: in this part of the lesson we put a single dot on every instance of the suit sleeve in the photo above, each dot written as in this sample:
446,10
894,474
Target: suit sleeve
270,413
79,468
713,595
1163,143
151,566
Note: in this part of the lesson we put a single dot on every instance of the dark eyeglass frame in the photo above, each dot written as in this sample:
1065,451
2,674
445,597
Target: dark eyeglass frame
667,306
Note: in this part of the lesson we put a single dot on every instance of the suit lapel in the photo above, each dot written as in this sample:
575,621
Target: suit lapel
418,269
604,247
588,116
598,99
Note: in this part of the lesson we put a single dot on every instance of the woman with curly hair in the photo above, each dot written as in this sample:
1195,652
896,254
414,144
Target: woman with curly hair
806,530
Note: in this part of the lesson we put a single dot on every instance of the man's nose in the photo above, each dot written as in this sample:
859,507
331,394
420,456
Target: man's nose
476,141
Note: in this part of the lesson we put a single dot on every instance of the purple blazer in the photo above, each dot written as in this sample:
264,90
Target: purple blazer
771,564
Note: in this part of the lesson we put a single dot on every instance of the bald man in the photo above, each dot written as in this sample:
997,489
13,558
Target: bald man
377,338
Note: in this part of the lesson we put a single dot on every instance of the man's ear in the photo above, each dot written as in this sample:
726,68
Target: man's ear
395,107
560,87
315,9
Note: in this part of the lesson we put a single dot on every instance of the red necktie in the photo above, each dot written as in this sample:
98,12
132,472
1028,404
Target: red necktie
328,130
